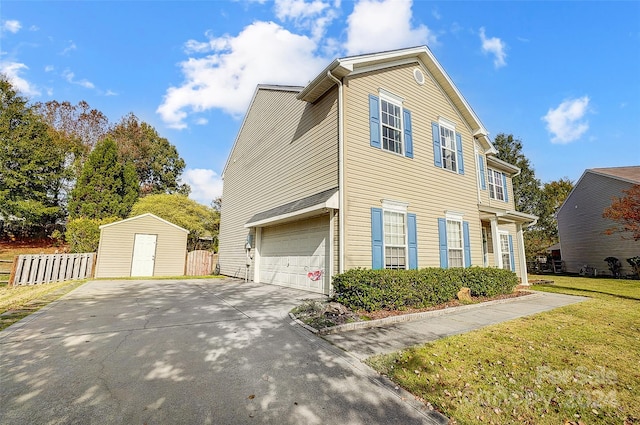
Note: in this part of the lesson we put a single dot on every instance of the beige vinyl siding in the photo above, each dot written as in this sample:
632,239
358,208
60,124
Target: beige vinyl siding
485,198
286,150
581,226
373,174
115,251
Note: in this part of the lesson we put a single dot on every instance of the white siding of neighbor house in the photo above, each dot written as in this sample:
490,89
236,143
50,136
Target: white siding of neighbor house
286,150
115,251
372,174
581,226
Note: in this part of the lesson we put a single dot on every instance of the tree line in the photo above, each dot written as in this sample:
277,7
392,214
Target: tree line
66,168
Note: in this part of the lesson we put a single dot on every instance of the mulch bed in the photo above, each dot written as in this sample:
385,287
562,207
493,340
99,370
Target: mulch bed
381,314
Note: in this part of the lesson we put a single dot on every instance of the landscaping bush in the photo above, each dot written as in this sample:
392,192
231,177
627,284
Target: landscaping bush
369,290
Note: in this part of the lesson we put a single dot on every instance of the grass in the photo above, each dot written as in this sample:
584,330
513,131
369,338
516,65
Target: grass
18,302
573,364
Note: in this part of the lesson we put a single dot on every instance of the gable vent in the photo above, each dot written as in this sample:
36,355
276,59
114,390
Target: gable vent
418,75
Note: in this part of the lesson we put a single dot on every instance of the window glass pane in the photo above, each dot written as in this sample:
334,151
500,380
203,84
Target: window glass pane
447,141
391,127
504,249
394,240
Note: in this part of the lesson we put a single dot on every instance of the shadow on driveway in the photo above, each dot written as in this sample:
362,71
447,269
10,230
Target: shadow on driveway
197,352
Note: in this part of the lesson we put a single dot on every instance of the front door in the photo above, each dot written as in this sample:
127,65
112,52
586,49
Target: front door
144,255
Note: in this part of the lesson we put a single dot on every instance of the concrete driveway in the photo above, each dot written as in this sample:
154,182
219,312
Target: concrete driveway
186,352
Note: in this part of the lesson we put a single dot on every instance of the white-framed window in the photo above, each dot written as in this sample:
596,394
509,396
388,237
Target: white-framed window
496,185
395,234
448,146
391,122
395,240
454,241
505,251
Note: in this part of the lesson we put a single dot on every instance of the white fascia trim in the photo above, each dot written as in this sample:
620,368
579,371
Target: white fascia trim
383,65
331,203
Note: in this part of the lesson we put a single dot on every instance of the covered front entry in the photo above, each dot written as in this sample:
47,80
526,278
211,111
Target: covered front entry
295,254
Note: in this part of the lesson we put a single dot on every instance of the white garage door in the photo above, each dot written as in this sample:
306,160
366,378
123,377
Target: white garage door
296,255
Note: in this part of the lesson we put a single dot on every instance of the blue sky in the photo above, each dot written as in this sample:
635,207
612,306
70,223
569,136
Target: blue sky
564,77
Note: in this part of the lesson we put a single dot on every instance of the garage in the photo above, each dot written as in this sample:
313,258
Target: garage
295,254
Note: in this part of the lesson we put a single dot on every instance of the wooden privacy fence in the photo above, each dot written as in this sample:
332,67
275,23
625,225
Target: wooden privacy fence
200,263
47,268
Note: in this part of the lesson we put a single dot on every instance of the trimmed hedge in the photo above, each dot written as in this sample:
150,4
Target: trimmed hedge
369,290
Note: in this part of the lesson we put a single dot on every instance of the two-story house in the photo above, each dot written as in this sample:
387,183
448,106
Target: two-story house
379,162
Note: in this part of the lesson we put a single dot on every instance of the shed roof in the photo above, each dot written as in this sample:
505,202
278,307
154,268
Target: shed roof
141,216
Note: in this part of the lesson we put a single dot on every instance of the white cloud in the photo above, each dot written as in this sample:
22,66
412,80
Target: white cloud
314,15
12,26
264,52
494,46
565,122
206,185
70,77
368,32
12,70
70,47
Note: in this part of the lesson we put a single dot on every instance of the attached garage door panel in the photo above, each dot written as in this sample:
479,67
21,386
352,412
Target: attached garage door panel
294,254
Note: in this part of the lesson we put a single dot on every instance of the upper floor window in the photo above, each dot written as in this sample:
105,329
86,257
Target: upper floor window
447,146
497,185
391,114
390,124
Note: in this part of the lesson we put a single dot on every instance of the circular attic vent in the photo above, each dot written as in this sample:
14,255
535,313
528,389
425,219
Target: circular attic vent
418,75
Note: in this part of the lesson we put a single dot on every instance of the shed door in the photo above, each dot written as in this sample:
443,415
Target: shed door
295,255
144,255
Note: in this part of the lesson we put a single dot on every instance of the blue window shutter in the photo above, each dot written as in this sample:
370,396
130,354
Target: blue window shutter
442,234
376,239
412,237
483,183
460,157
437,152
374,120
467,243
408,139
511,256
504,186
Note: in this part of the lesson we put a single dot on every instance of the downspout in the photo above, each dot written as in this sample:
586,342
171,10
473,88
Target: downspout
341,212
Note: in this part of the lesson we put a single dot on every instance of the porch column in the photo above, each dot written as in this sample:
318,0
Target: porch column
522,259
495,241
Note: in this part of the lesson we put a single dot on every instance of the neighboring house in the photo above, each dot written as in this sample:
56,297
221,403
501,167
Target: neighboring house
378,162
144,245
581,226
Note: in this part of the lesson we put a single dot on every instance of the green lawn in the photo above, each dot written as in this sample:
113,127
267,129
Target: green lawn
20,301
578,363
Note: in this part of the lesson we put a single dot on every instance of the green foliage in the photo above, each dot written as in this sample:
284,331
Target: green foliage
634,262
615,266
157,162
106,188
83,234
369,290
532,197
33,167
199,219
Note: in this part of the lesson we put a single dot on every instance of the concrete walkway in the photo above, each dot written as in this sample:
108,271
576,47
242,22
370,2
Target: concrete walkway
387,338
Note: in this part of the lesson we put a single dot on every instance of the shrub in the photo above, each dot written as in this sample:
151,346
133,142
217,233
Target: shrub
369,290
634,262
615,266
83,234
